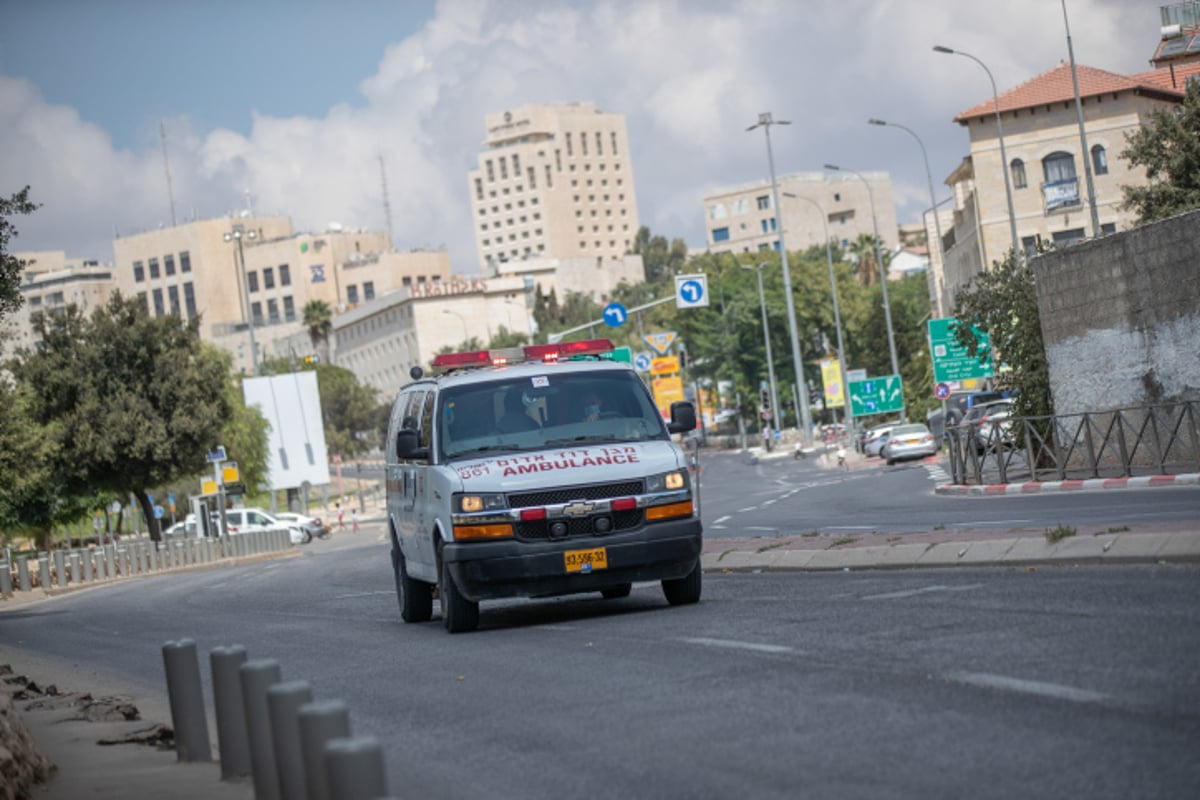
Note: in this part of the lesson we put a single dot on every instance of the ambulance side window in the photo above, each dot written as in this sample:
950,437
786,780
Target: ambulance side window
425,437
396,419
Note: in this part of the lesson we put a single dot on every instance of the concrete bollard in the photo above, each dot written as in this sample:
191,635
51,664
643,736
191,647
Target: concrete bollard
231,712
320,723
60,567
76,566
44,572
23,580
187,701
354,768
283,702
88,573
123,558
135,558
209,555
110,559
144,552
6,584
256,677
180,556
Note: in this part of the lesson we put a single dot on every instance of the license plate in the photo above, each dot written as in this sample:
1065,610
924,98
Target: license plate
586,560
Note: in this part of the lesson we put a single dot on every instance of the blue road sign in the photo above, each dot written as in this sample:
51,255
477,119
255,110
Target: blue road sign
615,315
642,362
690,291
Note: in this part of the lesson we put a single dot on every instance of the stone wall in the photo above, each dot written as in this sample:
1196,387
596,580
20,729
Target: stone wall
1121,317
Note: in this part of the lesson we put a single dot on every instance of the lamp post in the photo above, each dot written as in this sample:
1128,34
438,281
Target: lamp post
236,235
1087,164
937,223
887,309
1012,217
765,122
762,299
847,411
466,337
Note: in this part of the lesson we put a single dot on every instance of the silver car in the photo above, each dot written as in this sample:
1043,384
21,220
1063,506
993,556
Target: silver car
909,441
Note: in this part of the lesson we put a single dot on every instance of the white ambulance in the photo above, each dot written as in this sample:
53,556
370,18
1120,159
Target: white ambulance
533,472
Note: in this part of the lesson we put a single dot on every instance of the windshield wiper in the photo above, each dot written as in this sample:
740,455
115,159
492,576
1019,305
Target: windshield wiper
487,448
589,438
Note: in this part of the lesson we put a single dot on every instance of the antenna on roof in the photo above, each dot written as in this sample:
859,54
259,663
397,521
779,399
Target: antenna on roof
162,133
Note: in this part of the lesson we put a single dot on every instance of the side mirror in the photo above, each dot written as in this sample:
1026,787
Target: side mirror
406,445
683,417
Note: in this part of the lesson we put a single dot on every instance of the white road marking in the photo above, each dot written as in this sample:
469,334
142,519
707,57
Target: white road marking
747,509
1053,690
734,645
719,520
760,528
357,594
923,590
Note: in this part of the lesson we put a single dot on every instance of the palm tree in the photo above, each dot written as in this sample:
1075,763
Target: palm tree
318,318
863,250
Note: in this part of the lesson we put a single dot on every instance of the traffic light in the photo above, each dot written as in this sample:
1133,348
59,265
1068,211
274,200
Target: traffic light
765,394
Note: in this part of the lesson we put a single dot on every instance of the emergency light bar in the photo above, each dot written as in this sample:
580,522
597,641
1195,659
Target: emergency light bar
546,353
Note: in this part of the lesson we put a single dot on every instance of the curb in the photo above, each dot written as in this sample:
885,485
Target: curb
1088,485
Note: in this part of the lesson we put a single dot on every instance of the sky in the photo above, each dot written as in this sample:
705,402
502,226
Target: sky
288,105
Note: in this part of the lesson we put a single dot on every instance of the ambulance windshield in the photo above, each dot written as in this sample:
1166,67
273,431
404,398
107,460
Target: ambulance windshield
548,410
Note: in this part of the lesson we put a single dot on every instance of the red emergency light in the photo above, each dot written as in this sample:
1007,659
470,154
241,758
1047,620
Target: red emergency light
556,352
515,355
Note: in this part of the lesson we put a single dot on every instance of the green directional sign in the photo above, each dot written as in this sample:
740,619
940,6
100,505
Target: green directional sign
950,360
876,395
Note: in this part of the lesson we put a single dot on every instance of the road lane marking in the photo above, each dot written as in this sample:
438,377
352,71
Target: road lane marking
1056,691
747,509
719,520
358,594
923,590
735,645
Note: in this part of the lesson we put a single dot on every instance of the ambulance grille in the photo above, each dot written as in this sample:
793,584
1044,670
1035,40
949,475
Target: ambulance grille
600,491
540,529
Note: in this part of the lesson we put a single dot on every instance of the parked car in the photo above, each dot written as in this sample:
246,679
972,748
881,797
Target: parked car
973,422
313,525
876,438
253,520
994,425
913,440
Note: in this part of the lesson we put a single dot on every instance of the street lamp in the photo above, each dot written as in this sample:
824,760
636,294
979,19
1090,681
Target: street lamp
236,235
847,411
762,299
1012,217
887,309
466,337
765,122
1087,164
937,223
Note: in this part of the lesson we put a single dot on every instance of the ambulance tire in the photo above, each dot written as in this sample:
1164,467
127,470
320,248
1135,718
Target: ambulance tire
617,592
459,614
415,597
685,590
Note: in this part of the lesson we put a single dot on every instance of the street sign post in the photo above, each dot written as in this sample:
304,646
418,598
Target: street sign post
950,360
881,395
691,291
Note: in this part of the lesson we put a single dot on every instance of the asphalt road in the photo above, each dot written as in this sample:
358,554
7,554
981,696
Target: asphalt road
973,682
786,496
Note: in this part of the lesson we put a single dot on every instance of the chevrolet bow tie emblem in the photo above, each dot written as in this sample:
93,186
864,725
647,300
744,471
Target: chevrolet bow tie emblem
578,509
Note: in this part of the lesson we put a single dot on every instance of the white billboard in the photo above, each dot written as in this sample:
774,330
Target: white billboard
291,405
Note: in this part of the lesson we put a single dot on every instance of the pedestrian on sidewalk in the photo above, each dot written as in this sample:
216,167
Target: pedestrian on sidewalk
340,511
354,520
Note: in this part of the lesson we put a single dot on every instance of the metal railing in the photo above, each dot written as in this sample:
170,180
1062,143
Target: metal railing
1122,443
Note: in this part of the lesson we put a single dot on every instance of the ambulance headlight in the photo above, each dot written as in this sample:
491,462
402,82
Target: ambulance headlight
667,482
468,503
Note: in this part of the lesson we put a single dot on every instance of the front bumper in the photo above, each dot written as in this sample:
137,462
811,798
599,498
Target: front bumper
512,568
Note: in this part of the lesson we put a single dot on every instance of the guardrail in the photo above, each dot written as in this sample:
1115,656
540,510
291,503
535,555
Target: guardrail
1122,443
60,569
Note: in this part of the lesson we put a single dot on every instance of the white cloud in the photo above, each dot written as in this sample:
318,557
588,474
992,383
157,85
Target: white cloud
689,76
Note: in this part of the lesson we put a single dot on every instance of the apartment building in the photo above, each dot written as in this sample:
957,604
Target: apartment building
1046,165
743,219
553,181
1180,35
231,271
50,281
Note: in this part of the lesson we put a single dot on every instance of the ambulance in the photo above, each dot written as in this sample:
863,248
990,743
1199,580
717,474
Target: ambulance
534,472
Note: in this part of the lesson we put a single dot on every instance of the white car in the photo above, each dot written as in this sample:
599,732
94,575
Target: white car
876,439
253,520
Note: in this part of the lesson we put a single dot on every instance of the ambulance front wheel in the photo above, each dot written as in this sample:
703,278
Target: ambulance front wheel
458,613
415,597
685,590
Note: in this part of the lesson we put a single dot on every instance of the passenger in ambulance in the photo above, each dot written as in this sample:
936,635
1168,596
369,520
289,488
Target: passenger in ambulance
515,419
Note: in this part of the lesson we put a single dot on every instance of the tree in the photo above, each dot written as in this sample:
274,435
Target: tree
11,266
349,409
318,320
505,338
659,259
1002,302
864,252
134,401
30,489
1169,148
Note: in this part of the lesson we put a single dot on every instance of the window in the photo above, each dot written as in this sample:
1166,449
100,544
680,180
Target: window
491,175
503,168
185,261
614,143
557,161
478,189
1099,160
169,265
252,280
189,296
1059,166
139,272
268,277
158,303
406,282
549,180
532,178
837,197
741,205
1108,229
1030,245
516,165
256,312
716,211
289,309
570,150
763,202
1068,238
285,275
173,298
368,290
583,143
351,294
273,310
1018,174
153,264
